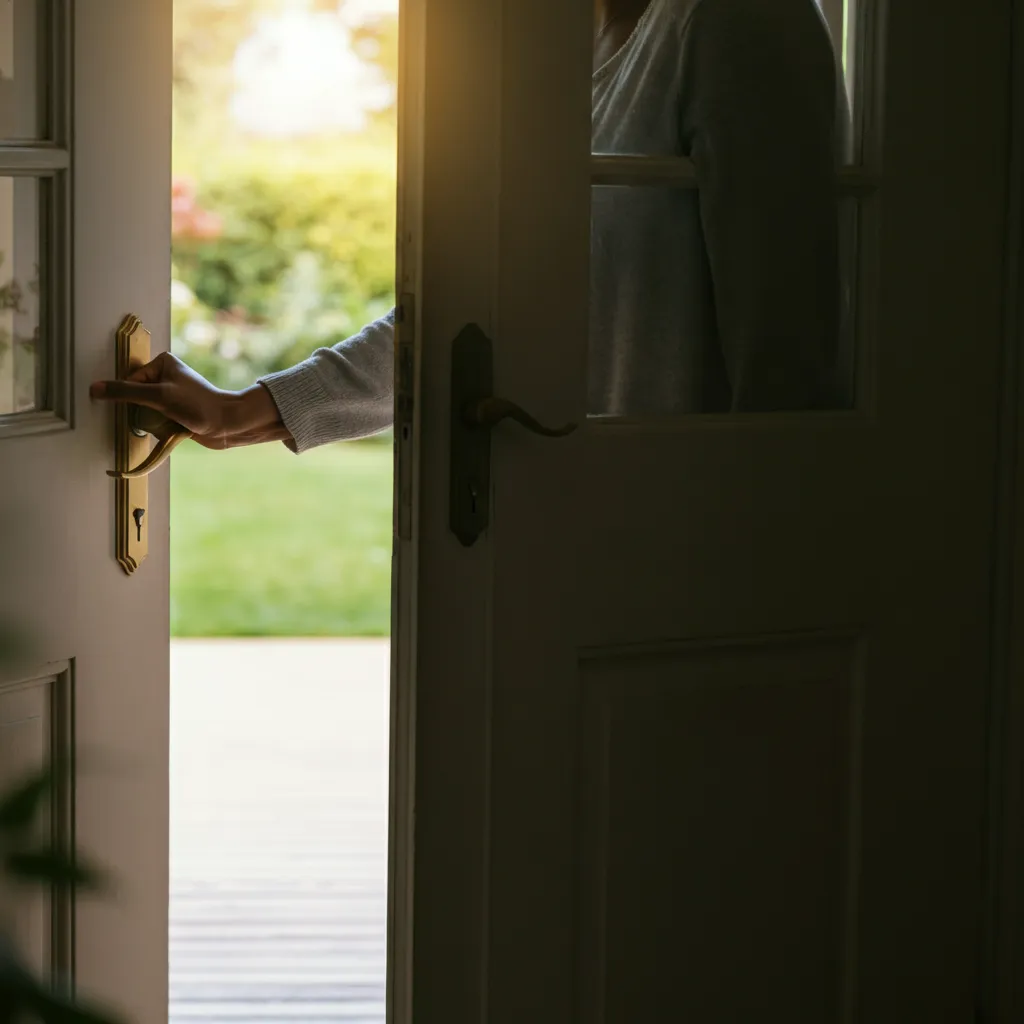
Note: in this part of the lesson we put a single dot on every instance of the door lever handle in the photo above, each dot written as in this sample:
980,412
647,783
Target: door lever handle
142,421
472,417
489,412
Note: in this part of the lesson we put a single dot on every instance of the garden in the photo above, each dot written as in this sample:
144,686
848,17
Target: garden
283,222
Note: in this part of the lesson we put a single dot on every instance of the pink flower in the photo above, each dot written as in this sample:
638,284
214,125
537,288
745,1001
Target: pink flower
188,219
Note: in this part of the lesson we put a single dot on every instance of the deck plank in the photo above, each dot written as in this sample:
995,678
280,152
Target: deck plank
279,782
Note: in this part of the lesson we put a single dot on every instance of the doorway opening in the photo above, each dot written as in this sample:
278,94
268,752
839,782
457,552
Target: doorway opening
283,205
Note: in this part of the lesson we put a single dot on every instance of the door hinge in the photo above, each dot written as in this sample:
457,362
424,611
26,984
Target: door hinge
405,410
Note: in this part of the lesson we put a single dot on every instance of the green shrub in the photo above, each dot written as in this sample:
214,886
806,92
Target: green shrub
303,259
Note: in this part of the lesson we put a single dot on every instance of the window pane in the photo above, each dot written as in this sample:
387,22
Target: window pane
21,93
759,320
20,352
732,291
653,96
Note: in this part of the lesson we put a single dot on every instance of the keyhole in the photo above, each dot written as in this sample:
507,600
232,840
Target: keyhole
137,516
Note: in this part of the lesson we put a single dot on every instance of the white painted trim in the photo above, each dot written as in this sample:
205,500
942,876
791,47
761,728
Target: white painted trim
833,10
868,41
405,564
41,159
51,163
680,172
1001,967
25,424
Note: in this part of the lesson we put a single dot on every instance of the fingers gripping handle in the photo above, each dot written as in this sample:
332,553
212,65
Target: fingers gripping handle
142,422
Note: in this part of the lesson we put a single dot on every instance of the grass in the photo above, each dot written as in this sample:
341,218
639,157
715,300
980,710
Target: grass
264,543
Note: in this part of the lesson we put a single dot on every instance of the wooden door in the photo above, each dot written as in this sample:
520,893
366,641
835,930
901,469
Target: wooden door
85,239
699,721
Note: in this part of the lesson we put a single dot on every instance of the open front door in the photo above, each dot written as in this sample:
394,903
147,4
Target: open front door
84,240
700,716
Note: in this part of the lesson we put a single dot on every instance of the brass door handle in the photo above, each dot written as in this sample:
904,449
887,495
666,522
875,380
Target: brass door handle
141,421
489,412
133,461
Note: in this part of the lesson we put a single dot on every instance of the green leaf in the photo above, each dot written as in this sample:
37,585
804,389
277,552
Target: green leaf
19,808
55,1011
51,1008
53,866
24,998
18,988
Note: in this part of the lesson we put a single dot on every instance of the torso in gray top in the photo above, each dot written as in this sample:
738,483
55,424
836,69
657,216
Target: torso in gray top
726,298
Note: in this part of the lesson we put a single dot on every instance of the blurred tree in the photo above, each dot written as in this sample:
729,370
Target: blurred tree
376,41
207,33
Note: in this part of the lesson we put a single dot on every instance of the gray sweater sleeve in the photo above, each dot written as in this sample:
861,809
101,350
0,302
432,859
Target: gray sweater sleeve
758,83
340,393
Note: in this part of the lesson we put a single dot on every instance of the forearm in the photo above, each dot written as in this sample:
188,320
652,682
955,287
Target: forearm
340,393
251,416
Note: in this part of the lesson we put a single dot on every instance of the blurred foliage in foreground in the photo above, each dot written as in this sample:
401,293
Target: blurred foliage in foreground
30,861
27,863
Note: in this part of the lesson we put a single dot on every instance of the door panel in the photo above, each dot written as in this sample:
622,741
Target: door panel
692,756
92,685
701,719
35,722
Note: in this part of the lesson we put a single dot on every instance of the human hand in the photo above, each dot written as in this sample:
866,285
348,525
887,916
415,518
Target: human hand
216,418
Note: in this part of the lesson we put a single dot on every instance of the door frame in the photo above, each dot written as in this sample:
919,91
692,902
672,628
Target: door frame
1002,956
406,491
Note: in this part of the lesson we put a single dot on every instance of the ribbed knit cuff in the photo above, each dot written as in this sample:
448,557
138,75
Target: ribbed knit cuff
298,395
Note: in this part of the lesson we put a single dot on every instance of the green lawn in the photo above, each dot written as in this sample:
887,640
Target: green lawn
264,543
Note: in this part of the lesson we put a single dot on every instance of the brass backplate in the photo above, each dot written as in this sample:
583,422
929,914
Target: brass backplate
131,496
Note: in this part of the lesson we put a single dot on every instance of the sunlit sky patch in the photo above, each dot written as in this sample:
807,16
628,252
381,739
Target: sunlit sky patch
298,75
